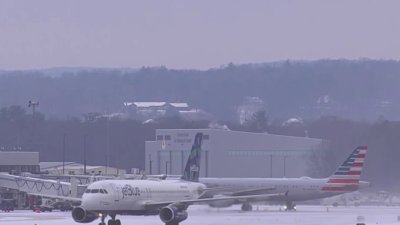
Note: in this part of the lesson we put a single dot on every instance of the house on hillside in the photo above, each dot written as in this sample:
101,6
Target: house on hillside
151,110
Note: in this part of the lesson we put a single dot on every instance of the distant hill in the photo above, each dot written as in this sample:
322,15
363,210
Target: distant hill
357,89
59,71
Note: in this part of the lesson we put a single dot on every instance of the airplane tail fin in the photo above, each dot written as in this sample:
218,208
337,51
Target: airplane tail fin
347,176
192,168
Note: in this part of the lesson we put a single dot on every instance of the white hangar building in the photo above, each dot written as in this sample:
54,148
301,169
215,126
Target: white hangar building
229,153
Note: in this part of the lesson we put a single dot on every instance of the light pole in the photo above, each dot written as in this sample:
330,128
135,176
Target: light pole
107,144
107,156
284,165
63,153
33,104
270,165
150,165
84,153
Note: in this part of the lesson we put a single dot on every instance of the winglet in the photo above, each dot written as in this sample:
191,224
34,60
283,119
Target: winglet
192,168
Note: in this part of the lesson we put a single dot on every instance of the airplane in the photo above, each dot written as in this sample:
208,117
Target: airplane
168,198
345,179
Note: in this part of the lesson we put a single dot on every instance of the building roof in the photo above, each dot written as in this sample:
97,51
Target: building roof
179,104
242,141
157,104
52,165
68,166
149,104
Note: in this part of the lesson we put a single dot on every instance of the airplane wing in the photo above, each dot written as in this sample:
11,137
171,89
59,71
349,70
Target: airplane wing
244,198
232,191
255,191
65,198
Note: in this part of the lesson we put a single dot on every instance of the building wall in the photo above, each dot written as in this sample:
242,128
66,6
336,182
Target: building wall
16,161
70,168
19,198
231,153
19,158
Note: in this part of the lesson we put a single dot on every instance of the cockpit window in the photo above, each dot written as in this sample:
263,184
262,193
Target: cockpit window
105,191
87,191
102,191
95,191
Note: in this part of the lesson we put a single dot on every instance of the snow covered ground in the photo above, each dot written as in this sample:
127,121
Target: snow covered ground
202,215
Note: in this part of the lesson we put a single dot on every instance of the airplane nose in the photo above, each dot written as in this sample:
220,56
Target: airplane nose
90,202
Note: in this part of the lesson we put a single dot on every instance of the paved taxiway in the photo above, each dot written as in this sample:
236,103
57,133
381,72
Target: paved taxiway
202,215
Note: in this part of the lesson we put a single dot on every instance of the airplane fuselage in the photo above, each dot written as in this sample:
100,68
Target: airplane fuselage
131,196
298,189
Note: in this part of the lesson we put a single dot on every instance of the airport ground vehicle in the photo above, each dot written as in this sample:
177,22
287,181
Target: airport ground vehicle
63,206
7,205
42,208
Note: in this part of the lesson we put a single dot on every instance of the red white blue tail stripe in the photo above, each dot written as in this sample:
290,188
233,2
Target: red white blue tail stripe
347,176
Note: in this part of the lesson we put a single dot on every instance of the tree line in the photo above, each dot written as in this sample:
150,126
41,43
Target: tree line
126,140
355,89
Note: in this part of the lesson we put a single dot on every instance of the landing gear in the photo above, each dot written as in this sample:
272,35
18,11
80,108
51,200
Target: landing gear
113,221
247,207
103,217
290,206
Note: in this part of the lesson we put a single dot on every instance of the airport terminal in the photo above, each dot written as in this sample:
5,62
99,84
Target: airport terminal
22,172
16,162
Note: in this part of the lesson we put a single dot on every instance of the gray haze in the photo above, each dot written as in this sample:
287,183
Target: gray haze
193,34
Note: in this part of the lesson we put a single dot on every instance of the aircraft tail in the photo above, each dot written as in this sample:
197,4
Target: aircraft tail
192,168
347,176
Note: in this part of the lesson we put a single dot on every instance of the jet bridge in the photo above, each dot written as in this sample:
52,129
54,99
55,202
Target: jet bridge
30,185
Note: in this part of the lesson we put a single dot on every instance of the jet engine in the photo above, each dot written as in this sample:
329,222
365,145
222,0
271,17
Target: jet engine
171,214
80,215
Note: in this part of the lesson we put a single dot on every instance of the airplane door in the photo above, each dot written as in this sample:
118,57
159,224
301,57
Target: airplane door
117,192
148,193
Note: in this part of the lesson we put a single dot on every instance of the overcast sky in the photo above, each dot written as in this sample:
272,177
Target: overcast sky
193,34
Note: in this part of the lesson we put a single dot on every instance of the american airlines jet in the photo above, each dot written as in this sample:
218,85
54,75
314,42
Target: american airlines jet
168,198
345,179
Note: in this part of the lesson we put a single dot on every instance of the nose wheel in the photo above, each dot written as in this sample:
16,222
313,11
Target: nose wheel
290,206
114,222
111,221
103,217
247,207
